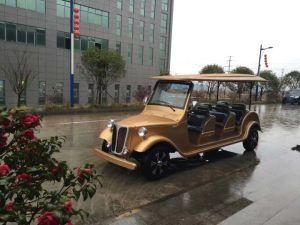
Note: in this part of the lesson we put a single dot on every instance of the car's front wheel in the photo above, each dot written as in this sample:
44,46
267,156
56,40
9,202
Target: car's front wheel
252,140
155,163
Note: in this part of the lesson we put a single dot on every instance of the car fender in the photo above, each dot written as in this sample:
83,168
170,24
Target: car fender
106,134
149,142
253,124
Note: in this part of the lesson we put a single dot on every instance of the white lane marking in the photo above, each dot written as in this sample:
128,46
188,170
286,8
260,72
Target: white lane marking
80,122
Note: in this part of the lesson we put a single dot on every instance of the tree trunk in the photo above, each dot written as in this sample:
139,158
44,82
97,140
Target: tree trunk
100,96
19,100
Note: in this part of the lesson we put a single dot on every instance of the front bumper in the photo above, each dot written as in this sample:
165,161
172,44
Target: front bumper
115,160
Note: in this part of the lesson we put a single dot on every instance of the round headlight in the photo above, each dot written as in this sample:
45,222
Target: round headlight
142,132
110,124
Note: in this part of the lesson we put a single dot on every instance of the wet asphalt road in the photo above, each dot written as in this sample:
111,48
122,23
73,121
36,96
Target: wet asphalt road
234,188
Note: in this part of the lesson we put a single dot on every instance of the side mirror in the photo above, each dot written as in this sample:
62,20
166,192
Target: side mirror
145,100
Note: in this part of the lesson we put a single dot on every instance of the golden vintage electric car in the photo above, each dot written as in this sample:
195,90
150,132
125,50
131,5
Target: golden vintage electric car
172,121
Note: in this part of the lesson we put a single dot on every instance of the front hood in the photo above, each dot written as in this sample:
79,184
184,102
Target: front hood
145,120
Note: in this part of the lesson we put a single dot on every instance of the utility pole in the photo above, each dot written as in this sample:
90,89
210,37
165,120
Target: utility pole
229,64
72,53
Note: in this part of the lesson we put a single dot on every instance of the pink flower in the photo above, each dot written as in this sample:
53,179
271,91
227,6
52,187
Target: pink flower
69,223
9,207
4,170
47,218
68,206
88,171
6,123
29,134
24,177
30,120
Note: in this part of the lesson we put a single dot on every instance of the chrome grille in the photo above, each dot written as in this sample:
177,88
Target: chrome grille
119,139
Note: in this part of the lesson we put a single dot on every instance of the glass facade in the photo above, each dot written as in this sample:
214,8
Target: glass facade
128,93
152,9
87,14
34,5
117,93
129,53
120,4
142,9
118,25
82,43
118,47
130,28
131,6
150,56
142,30
140,55
22,34
164,23
152,33
42,92
164,5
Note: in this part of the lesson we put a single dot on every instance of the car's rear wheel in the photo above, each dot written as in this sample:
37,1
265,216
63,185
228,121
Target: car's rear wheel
155,163
252,140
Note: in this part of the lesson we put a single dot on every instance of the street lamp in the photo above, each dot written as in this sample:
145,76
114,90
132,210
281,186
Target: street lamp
258,70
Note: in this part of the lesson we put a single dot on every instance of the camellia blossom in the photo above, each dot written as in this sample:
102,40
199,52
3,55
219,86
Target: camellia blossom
24,177
29,134
68,206
47,218
4,170
3,140
31,120
9,207
69,223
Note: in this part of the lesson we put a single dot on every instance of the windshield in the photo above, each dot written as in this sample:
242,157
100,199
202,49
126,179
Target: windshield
170,94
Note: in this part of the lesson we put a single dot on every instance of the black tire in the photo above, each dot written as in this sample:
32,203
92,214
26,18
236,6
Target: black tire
155,163
252,140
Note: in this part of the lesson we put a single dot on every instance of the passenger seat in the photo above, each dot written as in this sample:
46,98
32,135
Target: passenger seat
197,117
221,112
239,110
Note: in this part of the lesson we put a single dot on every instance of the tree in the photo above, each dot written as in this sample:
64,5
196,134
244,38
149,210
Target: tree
292,80
212,68
103,67
19,72
35,187
239,88
273,84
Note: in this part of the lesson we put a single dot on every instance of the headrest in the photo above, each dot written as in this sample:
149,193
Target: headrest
239,106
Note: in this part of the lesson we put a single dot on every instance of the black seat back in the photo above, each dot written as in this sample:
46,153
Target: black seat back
239,110
197,117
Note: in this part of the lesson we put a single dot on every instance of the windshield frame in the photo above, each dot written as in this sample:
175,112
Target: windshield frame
191,85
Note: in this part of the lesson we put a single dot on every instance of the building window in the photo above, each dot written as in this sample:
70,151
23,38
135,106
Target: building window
40,37
118,25
163,65
34,5
142,30
104,95
163,47
30,36
119,4
164,5
131,6
42,92
91,93
58,92
164,23
152,33
118,47
152,9
87,14
21,33
10,32
129,53
82,43
128,93
150,56
142,10
140,55
117,93
130,28
2,92
76,93
2,31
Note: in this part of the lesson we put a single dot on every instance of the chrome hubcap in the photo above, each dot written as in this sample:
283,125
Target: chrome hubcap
159,163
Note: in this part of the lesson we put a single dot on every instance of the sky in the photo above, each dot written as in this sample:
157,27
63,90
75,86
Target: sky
208,31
